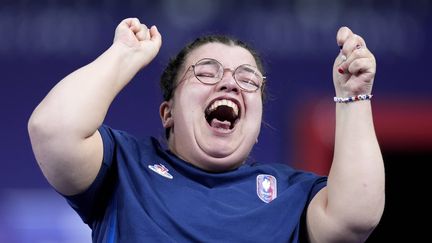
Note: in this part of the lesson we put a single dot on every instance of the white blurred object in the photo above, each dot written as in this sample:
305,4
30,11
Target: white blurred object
39,216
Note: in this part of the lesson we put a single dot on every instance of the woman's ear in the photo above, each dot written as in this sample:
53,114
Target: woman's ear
165,114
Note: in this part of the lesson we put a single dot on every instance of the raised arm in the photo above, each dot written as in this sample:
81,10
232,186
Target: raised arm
351,205
63,127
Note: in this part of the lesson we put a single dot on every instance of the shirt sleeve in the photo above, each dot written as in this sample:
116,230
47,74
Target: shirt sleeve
318,184
92,202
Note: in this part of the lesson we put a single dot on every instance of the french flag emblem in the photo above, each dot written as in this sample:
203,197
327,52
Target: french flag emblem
266,187
161,170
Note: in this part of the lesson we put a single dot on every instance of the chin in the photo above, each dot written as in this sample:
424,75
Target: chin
220,161
219,165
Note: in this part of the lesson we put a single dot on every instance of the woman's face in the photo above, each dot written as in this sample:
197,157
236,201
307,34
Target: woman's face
197,135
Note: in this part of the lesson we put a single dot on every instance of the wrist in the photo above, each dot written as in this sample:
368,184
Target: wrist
126,58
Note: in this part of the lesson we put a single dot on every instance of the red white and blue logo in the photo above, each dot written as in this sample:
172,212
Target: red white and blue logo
161,170
266,187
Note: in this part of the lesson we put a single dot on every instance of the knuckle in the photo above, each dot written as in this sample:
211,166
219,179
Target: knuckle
358,53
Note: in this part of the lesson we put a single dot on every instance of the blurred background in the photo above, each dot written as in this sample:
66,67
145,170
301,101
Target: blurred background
43,41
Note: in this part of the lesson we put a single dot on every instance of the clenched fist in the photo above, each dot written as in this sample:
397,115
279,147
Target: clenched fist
143,42
355,66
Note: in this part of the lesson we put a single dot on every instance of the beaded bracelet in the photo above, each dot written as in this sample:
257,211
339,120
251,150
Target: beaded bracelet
352,98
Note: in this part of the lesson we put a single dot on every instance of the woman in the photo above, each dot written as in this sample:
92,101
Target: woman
199,189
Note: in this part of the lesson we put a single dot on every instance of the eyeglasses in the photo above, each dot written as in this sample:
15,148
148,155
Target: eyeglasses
210,71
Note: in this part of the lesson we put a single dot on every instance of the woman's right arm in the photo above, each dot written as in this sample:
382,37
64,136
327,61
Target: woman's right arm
63,128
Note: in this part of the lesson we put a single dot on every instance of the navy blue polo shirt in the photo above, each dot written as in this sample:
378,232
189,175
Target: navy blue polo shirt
144,193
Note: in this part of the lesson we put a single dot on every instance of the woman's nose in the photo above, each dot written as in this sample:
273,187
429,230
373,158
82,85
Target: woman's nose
228,82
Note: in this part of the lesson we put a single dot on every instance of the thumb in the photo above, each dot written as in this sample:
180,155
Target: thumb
342,35
155,36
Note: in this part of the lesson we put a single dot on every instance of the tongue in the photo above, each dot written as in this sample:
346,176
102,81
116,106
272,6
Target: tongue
220,124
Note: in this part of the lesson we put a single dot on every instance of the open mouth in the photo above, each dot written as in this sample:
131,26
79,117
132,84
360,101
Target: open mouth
222,114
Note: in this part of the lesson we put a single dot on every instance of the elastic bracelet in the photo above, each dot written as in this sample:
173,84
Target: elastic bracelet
352,98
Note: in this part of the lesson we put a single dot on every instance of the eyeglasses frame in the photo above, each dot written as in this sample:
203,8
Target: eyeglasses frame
233,71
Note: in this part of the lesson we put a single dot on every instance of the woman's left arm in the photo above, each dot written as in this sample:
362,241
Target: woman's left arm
351,205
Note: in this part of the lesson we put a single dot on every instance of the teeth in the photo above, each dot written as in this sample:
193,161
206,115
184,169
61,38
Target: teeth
224,102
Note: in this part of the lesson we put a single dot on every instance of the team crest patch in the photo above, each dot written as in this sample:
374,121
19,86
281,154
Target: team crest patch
266,187
161,170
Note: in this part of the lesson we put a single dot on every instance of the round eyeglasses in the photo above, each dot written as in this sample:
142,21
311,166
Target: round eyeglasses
210,71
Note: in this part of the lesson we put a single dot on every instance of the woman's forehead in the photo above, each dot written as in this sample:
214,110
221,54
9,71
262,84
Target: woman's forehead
230,56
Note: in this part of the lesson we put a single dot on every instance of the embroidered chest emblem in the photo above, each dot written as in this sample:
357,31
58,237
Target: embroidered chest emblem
266,187
161,170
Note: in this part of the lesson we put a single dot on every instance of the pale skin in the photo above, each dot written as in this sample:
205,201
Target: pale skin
68,147
192,138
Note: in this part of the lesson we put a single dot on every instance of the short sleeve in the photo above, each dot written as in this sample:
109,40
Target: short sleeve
318,184
90,203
